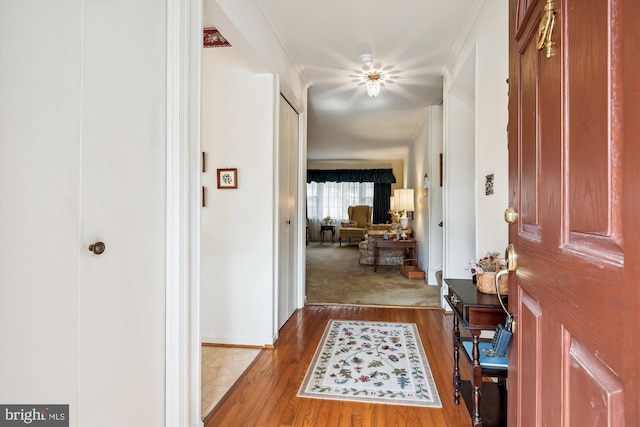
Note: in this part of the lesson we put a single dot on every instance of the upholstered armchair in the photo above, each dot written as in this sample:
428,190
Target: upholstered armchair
359,223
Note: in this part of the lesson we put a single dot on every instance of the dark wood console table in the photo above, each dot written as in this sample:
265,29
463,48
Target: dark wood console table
476,312
378,243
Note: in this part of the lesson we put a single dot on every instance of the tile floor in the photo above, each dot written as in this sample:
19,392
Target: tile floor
221,367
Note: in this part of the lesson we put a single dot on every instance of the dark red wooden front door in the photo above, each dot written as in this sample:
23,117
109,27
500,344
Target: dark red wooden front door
574,158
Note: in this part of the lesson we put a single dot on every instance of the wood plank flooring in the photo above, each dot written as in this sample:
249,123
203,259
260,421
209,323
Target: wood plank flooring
265,395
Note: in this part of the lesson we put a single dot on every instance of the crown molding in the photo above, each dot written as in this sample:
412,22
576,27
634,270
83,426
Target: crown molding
424,115
280,34
463,34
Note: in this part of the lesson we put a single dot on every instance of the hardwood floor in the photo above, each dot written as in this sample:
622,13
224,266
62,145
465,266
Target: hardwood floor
265,395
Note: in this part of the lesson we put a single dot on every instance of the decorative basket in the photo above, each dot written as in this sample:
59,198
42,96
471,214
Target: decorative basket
411,271
486,283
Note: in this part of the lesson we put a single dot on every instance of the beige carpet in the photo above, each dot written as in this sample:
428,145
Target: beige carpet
334,276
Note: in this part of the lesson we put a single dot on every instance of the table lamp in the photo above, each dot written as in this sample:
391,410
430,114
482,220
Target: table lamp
403,201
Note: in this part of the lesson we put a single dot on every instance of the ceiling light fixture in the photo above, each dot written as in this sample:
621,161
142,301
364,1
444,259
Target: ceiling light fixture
367,59
373,84
372,78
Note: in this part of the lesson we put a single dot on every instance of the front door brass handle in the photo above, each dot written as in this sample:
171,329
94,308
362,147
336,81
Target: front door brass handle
97,248
511,262
511,258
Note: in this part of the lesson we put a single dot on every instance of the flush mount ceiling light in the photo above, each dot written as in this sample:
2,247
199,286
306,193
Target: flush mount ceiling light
372,78
373,84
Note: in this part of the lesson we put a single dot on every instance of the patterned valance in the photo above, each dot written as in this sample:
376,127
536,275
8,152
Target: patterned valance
377,176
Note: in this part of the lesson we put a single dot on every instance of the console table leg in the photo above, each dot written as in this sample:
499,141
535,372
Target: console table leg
476,380
456,358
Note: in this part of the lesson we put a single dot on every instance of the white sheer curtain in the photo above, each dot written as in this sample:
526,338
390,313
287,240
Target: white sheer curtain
332,199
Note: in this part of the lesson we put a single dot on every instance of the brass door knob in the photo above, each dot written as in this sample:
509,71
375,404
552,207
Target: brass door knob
511,215
97,248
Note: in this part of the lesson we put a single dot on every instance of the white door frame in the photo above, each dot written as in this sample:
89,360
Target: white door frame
182,303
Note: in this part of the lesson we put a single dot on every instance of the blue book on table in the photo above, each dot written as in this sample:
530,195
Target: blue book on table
485,361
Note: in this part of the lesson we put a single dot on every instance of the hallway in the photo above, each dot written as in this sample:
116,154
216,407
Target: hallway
265,395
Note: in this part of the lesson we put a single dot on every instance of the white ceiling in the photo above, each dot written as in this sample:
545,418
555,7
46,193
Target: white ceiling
412,41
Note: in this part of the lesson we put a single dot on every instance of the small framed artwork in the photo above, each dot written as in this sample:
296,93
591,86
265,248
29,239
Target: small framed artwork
488,185
228,178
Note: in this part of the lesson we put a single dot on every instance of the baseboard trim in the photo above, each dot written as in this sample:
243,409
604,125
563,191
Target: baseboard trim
418,307
212,344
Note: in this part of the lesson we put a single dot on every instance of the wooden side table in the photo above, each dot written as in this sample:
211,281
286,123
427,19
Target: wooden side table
476,312
378,243
328,227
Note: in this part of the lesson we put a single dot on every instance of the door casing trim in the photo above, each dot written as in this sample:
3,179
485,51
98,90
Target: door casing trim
182,300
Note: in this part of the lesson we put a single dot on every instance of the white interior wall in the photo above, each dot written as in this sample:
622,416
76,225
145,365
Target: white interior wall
241,87
477,79
459,156
416,165
491,127
237,225
483,85
243,23
434,198
459,184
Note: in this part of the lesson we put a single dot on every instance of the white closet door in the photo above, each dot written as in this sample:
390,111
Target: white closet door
121,295
287,202
39,212
83,160
122,203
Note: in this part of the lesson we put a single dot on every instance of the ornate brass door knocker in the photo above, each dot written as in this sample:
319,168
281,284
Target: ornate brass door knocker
545,30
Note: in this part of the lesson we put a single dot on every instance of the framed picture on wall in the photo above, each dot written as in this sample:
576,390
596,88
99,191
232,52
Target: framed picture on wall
228,178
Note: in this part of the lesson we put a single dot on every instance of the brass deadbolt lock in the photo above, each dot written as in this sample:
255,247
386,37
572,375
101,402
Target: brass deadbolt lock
511,215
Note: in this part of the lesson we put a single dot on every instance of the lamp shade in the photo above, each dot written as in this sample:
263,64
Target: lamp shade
392,204
403,199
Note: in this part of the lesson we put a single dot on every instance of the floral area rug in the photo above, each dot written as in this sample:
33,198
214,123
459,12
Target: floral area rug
376,362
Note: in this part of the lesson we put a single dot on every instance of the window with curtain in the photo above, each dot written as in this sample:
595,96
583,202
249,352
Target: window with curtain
333,198
331,191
